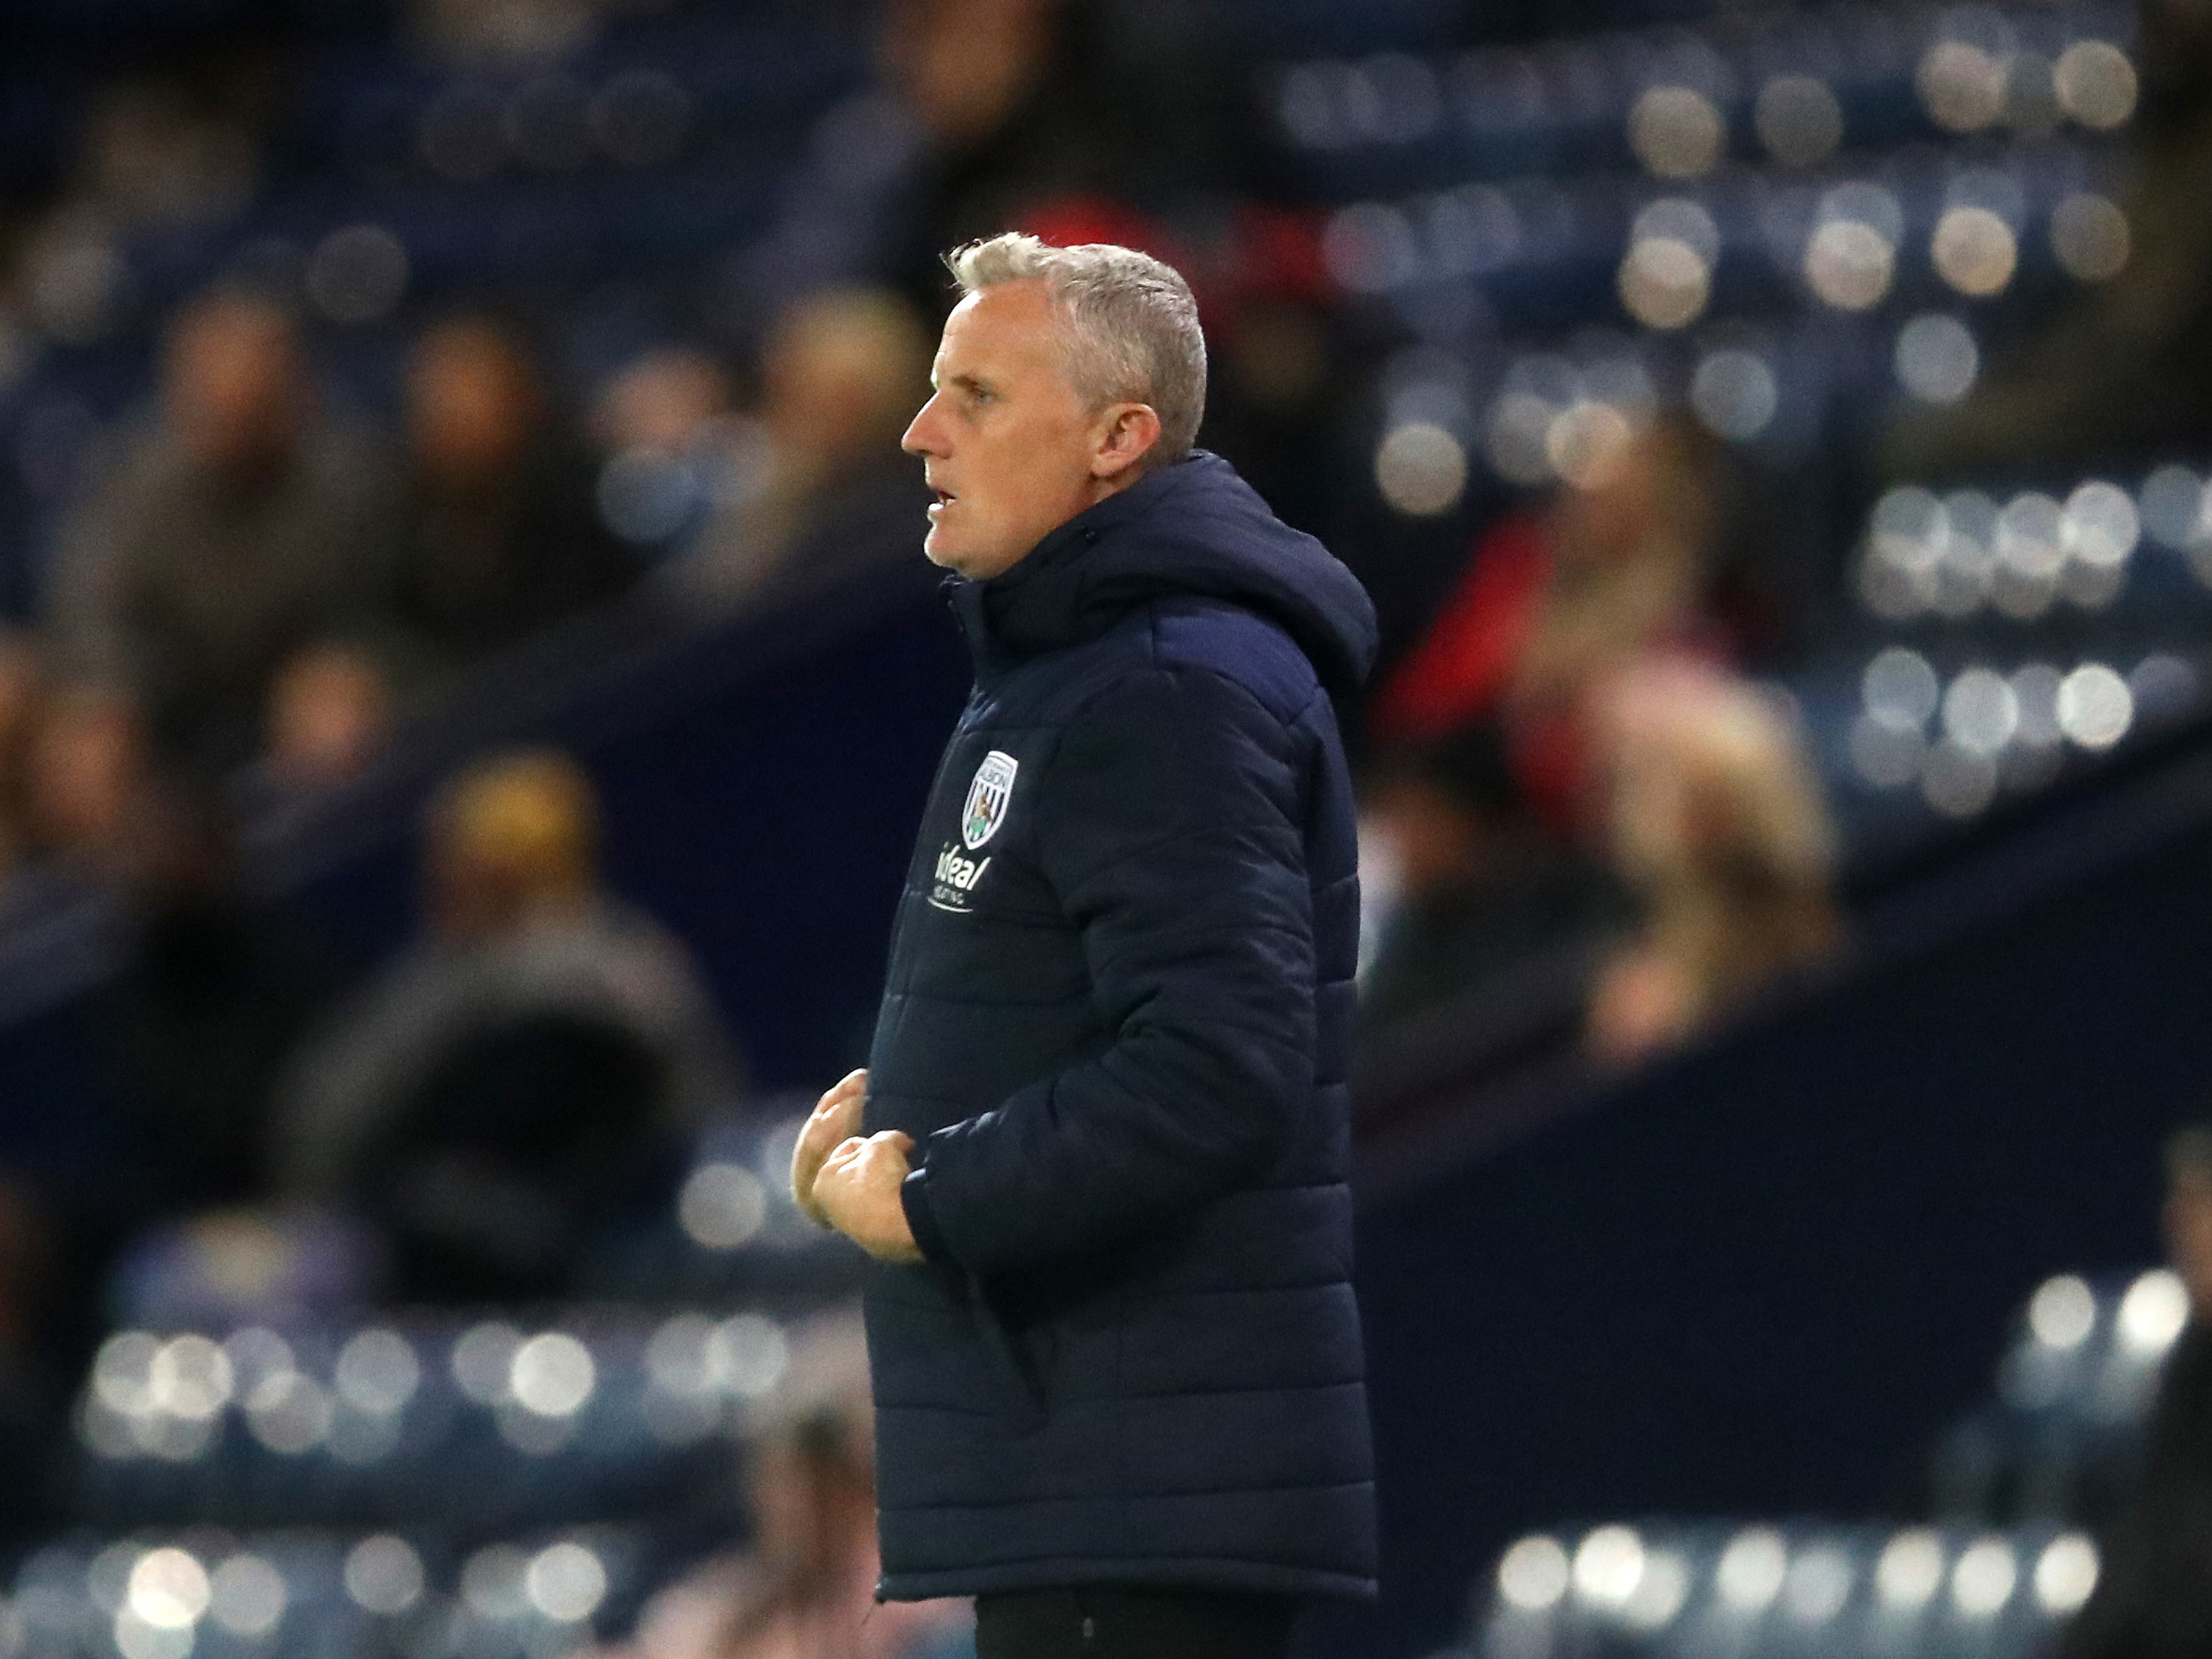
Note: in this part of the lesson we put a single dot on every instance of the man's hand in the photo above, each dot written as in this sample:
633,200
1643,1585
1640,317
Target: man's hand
835,1119
858,1189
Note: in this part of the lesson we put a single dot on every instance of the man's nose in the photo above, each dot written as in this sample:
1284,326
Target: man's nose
921,432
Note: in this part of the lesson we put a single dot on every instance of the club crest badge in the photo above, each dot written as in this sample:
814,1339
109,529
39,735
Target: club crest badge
987,798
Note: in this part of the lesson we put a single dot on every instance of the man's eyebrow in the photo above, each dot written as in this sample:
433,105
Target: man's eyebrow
971,383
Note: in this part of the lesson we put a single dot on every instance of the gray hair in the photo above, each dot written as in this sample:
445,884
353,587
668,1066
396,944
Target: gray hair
1132,324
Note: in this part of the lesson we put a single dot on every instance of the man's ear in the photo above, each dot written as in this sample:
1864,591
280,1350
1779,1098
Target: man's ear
1124,435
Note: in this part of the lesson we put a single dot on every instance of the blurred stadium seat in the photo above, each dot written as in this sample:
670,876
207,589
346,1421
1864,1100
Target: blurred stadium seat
2017,1490
1797,1589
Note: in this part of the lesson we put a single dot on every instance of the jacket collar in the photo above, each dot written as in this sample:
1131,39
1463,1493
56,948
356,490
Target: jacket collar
1034,605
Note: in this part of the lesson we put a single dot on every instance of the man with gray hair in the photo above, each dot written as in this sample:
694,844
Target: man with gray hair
1098,1150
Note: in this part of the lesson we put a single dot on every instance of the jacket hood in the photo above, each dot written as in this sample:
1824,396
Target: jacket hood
1192,528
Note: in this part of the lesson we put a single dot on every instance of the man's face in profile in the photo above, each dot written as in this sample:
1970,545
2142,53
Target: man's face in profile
1006,440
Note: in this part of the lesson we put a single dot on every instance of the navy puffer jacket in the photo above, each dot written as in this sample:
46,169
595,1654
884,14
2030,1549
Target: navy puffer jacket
1116,1024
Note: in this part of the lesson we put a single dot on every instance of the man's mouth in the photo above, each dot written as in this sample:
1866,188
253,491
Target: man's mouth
945,499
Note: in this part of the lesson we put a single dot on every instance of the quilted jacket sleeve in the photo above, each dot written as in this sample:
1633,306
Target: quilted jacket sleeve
1171,828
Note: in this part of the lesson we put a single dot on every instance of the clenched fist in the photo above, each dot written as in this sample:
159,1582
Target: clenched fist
858,1189
834,1118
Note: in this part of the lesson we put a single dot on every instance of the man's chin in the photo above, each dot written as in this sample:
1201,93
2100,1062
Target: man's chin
946,552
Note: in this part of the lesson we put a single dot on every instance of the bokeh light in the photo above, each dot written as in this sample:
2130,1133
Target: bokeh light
1983,1578
2066,1574
552,1375
2153,1314
1421,470
1608,1565
565,1582
1664,283
1533,1574
2096,84
748,1353
483,1360
1974,251
1752,1569
1961,86
722,1205
492,1582
169,1588
1660,1592
1852,256
384,1575
1734,394
2063,1312
1980,712
2090,238
1675,131
1936,359
247,1596
377,1372
1910,1570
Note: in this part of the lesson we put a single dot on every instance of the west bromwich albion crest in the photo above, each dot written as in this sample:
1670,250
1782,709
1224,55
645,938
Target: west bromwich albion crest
988,797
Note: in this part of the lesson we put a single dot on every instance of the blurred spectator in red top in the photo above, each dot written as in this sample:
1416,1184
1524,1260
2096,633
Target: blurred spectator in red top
505,539
241,539
1717,823
1617,570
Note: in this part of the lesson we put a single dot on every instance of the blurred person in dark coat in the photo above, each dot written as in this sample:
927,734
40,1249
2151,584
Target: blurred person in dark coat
840,372
505,539
1022,103
528,1070
234,561
1482,893
216,995
2153,1595
1098,1152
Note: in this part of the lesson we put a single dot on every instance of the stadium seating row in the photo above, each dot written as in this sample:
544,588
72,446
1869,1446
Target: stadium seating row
2018,1486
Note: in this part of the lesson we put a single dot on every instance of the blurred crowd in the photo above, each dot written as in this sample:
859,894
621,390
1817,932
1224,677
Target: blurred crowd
1570,783
260,571
255,578
1575,793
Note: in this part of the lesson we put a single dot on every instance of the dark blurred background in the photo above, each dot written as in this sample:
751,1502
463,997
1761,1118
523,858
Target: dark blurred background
467,673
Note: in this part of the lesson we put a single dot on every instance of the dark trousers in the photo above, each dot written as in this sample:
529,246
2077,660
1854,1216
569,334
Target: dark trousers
1128,1622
